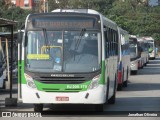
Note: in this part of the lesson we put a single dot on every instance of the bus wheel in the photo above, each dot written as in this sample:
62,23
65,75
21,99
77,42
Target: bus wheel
38,107
4,85
134,72
119,88
107,93
126,82
99,107
113,98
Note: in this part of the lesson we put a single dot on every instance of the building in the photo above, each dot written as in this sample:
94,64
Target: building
36,5
154,2
139,2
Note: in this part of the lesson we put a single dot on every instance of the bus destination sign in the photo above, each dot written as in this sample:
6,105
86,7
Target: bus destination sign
59,24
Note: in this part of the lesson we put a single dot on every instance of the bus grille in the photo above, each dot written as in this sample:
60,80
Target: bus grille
56,80
58,90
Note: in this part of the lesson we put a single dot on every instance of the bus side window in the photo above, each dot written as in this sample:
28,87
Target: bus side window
109,41
106,42
117,43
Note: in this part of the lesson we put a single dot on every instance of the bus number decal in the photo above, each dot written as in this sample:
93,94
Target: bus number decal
76,86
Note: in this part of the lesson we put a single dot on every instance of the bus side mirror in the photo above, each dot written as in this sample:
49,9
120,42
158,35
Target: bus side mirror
20,36
26,41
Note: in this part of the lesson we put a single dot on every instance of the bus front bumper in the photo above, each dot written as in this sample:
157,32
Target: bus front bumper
93,96
134,65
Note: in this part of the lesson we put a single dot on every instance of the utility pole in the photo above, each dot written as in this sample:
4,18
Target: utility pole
45,6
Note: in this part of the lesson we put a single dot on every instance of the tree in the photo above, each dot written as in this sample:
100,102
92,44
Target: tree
135,17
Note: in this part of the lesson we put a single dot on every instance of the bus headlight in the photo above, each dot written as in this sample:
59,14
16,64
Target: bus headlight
30,82
95,82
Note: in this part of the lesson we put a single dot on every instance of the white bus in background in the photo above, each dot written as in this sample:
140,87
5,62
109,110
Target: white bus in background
144,51
124,58
134,54
151,47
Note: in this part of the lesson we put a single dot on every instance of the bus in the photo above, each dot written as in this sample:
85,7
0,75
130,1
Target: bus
5,48
124,59
68,57
144,51
151,47
2,63
135,54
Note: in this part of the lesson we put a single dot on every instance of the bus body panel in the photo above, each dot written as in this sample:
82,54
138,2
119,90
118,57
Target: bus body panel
134,65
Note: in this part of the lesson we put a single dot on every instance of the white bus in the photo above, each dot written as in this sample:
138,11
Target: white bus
151,47
68,57
124,58
135,54
144,51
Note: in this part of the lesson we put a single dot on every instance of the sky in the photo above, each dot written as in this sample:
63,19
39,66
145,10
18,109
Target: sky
153,2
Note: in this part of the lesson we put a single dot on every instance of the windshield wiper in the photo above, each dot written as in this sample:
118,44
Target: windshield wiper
46,39
45,36
80,38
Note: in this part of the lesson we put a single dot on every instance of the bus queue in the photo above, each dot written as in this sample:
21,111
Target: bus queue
76,53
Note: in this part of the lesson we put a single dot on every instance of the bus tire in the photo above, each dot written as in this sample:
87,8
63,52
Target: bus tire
134,72
113,98
38,107
99,107
107,93
126,82
4,85
119,88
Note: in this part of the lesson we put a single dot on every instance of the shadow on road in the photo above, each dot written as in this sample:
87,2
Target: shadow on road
142,87
135,104
153,67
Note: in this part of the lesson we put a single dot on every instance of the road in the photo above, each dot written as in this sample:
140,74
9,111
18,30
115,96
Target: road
141,96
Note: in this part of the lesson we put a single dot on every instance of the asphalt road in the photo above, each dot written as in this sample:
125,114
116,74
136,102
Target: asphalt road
141,96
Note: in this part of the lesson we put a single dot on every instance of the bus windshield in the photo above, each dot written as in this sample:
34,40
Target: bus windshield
62,51
133,51
151,45
133,48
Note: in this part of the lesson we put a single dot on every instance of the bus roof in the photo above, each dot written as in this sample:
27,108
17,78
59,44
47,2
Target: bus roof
122,30
148,38
89,11
132,36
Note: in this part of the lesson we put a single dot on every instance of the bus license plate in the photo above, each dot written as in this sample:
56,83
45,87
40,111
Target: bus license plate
62,98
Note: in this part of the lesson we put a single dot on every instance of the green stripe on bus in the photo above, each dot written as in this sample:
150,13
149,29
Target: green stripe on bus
62,87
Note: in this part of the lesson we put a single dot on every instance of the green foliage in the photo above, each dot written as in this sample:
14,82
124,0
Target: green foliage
136,17
13,13
132,15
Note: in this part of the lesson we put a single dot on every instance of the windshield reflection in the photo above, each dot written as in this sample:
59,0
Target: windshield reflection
62,51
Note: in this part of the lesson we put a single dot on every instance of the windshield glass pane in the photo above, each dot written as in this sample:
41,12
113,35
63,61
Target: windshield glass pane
150,45
62,51
133,50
